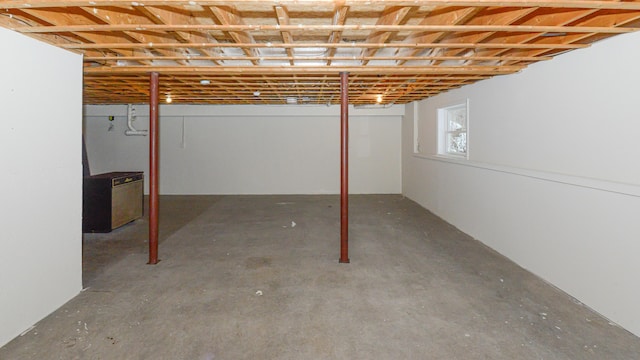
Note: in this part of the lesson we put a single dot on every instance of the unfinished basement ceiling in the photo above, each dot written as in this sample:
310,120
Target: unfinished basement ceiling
277,52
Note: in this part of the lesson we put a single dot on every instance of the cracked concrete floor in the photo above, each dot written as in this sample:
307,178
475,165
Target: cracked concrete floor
257,277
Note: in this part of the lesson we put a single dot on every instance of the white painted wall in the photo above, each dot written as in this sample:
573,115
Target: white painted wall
252,149
41,182
552,181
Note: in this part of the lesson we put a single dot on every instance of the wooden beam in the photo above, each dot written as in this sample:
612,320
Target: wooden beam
506,17
586,4
338,19
52,19
331,78
112,18
454,16
494,70
245,37
287,38
227,15
319,58
327,45
392,15
565,17
161,16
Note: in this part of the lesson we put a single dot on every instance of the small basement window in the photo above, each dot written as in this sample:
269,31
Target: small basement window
453,122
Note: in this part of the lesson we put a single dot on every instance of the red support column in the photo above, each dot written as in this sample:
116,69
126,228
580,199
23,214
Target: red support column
153,168
344,167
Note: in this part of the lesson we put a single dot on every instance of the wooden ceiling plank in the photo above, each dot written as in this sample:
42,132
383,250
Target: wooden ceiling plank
359,93
339,18
631,18
563,18
17,18
323,58
454,43
270,84
231,70
411,88
559,19
609,19
162,16
57,18
248,91
372,90
452,16
377,30
392,15
227,15
279,78
323,89
587,4
287,38
112,17
461,23
251,87
411,45
503,18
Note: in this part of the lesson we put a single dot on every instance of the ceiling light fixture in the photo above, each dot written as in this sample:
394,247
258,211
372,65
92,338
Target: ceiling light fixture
205,82
379,99
256,93
169,99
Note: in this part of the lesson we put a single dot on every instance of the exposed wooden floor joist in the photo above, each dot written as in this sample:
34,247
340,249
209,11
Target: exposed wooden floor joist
401,50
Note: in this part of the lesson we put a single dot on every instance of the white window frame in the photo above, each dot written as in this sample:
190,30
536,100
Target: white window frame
444,131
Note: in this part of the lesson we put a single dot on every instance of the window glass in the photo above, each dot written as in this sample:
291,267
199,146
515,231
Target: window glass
453,122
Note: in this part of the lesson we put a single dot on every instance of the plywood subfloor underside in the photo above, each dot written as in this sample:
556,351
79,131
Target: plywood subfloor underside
416,288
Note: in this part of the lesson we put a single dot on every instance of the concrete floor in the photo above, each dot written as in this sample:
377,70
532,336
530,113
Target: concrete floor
257,277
